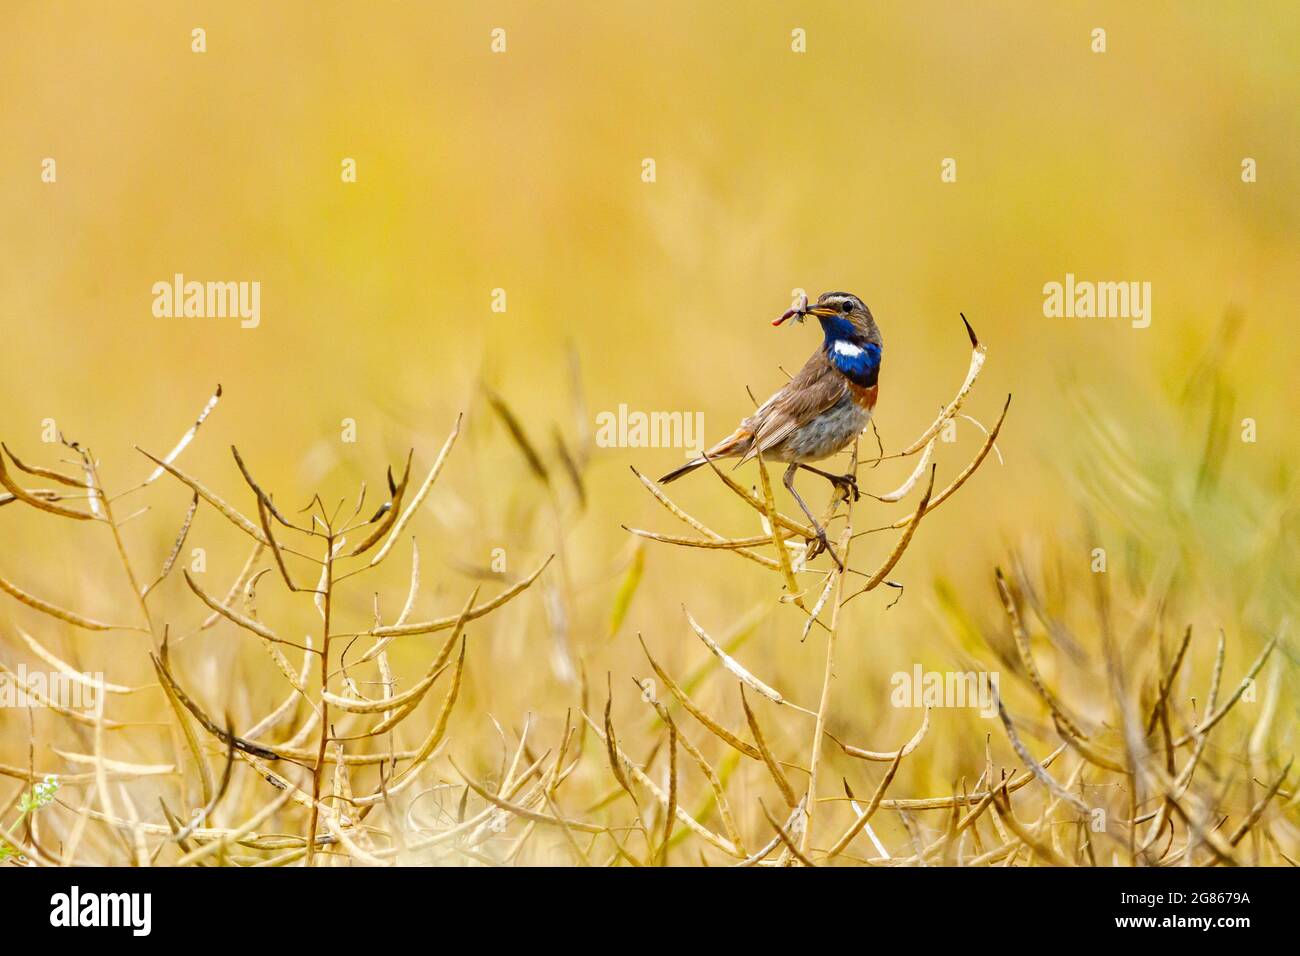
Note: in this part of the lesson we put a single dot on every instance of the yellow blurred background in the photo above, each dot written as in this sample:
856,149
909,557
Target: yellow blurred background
775,170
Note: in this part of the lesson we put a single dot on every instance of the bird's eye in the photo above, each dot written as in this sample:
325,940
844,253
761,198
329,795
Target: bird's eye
846,306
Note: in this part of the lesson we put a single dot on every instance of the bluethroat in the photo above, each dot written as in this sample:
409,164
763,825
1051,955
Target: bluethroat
821,410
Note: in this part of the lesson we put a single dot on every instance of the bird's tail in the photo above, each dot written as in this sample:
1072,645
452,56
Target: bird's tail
686,469
731,446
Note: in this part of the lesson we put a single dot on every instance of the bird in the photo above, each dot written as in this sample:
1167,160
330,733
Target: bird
821,410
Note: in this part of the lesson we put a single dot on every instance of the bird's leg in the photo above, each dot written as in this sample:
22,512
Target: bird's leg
845,483
823,544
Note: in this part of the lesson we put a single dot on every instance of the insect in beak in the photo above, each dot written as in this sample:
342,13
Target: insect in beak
798,314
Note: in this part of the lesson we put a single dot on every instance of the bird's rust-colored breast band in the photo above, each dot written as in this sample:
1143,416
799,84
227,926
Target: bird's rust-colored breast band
864,396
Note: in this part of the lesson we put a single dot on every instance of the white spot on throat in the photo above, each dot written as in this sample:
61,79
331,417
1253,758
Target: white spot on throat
847,348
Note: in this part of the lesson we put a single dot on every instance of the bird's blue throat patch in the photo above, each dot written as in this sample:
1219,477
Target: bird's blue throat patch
859,363
856,359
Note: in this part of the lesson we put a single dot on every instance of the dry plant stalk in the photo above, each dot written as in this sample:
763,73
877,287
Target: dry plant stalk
804,838
332,816
833,590
333,770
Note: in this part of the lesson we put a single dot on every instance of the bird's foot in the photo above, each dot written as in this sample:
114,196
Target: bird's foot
847,485
820,543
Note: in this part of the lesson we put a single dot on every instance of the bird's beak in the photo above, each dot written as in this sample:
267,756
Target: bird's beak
821,311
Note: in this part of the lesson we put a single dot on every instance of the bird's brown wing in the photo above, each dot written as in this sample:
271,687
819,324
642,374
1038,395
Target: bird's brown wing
815,388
